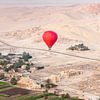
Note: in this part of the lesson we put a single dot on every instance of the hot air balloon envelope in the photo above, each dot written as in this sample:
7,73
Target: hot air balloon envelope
50,38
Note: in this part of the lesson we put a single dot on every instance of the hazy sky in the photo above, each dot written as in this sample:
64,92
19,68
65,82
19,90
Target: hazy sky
47,1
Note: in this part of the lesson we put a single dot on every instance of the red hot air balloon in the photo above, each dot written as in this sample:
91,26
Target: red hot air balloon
50,38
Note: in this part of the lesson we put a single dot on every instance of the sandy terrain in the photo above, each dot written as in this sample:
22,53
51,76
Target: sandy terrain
24,26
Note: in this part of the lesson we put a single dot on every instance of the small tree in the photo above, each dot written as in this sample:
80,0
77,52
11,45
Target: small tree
47,86
18,64
13,81
26,56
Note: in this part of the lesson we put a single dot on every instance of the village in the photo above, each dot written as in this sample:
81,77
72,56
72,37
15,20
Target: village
20,70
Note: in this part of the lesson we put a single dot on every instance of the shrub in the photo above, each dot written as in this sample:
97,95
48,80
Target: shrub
27,67
65,95
47,85
2,76
13,81
6,69
3,62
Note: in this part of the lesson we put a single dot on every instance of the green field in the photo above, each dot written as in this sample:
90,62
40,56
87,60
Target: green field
10,92
30,96
3,83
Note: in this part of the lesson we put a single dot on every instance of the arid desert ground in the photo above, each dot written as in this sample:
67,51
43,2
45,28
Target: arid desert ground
74,24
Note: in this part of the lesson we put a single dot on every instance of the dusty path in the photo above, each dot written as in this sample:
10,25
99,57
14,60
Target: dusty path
57,52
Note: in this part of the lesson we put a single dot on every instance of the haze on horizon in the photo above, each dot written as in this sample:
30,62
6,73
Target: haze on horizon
40,2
